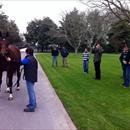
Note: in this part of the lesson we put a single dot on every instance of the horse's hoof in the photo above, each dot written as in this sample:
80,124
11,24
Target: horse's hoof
10,98
17,89
7,90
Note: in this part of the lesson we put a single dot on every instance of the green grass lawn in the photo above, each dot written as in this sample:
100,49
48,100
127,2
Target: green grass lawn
91,104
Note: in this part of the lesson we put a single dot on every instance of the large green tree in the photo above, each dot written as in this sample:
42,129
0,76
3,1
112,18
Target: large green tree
119,34
9,26
41,31
13,32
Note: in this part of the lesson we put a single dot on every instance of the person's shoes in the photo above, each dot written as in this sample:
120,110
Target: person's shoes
97,79
27,105
125,87
123,84
28,110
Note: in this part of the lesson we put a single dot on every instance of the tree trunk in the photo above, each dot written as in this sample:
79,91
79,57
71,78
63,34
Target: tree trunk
42,48
76,50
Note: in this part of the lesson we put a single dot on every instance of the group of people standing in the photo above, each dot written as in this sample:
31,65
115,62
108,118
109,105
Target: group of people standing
97,50
55,52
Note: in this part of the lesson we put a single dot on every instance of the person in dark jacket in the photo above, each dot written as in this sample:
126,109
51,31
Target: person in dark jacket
97,50
54,53
64,53
122,58
126,61
30,73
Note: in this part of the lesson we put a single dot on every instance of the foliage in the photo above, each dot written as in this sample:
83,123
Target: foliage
41,32
98,26
13,32
92,105
74,26
119,33
10,27
119,8
119,14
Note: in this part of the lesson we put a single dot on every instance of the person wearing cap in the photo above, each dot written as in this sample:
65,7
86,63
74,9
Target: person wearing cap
30,73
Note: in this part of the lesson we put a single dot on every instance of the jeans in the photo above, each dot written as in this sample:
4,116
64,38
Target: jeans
85,66
31,94
127,78
54,60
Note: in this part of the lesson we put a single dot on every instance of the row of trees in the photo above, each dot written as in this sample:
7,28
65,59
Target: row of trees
119,8
120,28
107,25
106,21
79,30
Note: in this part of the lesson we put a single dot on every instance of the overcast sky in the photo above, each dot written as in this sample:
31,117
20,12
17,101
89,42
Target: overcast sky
23,11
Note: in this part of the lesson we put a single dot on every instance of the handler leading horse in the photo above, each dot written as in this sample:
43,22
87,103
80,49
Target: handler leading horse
13,66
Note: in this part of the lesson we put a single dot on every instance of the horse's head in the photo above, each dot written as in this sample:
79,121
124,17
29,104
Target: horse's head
3,47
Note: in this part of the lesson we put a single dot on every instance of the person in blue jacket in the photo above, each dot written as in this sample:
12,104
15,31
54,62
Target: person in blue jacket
64,53
30,73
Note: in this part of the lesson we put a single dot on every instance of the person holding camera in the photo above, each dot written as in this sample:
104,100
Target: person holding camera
97,50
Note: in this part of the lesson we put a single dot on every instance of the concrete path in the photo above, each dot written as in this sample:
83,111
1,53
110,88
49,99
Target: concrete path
49,115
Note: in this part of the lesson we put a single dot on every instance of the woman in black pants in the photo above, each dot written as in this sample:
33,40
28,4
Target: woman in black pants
97,50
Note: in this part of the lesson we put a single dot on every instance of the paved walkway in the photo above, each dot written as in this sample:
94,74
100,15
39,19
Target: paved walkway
49,115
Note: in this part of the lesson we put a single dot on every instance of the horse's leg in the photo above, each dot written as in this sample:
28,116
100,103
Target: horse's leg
7,83
10,76
18,78
0,79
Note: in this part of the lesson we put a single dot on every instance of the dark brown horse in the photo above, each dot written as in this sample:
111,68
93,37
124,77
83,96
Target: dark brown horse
10,57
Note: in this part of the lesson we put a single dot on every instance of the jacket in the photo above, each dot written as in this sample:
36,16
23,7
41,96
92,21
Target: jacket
30,68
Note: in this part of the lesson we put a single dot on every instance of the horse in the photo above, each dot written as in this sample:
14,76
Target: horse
8,51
